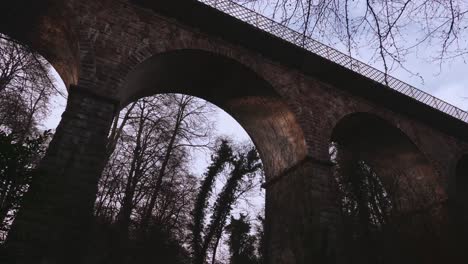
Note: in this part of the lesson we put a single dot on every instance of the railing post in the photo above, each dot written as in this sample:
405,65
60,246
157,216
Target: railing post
435,102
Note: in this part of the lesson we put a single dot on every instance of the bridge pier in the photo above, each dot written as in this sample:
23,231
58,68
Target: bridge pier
458,213
114,38
51,227
302,214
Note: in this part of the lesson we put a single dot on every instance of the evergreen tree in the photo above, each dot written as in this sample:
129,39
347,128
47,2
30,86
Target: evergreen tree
18,159
241,243
244,162
222,155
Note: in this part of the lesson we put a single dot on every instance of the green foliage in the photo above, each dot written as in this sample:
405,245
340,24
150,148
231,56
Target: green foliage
222,155
241,243
261,240
362,192
365,206
158,246
243,163
17,161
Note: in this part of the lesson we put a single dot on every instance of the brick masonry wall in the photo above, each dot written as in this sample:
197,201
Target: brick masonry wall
52,225
123,36
114,38
300,216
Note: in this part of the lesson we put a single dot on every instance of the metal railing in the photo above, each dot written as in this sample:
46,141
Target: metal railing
270,26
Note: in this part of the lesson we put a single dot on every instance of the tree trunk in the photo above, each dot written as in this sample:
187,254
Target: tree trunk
132,180
215,247
116,130
149,209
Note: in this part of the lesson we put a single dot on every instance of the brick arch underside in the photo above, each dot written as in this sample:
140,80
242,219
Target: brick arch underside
46,27
234,88
396,159
412,182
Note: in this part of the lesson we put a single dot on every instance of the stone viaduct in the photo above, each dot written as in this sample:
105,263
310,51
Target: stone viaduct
292,102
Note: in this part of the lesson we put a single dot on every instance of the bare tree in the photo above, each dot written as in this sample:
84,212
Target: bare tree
391,29
147,187
26,87
186,133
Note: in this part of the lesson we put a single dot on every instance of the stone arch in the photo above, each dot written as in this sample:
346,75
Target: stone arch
414,133
414,186
390,151
46,27
231,86
142,52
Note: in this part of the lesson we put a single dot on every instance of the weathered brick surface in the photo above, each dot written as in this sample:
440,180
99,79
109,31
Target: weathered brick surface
50,228
301,215
291,119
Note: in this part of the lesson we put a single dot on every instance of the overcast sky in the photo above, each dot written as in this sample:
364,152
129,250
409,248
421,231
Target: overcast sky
446,81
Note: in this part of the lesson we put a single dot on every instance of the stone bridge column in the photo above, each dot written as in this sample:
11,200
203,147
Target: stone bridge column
51,227
302,215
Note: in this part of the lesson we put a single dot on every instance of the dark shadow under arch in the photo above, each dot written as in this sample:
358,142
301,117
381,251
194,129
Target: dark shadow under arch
46,27
234,88
389,150
417,219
